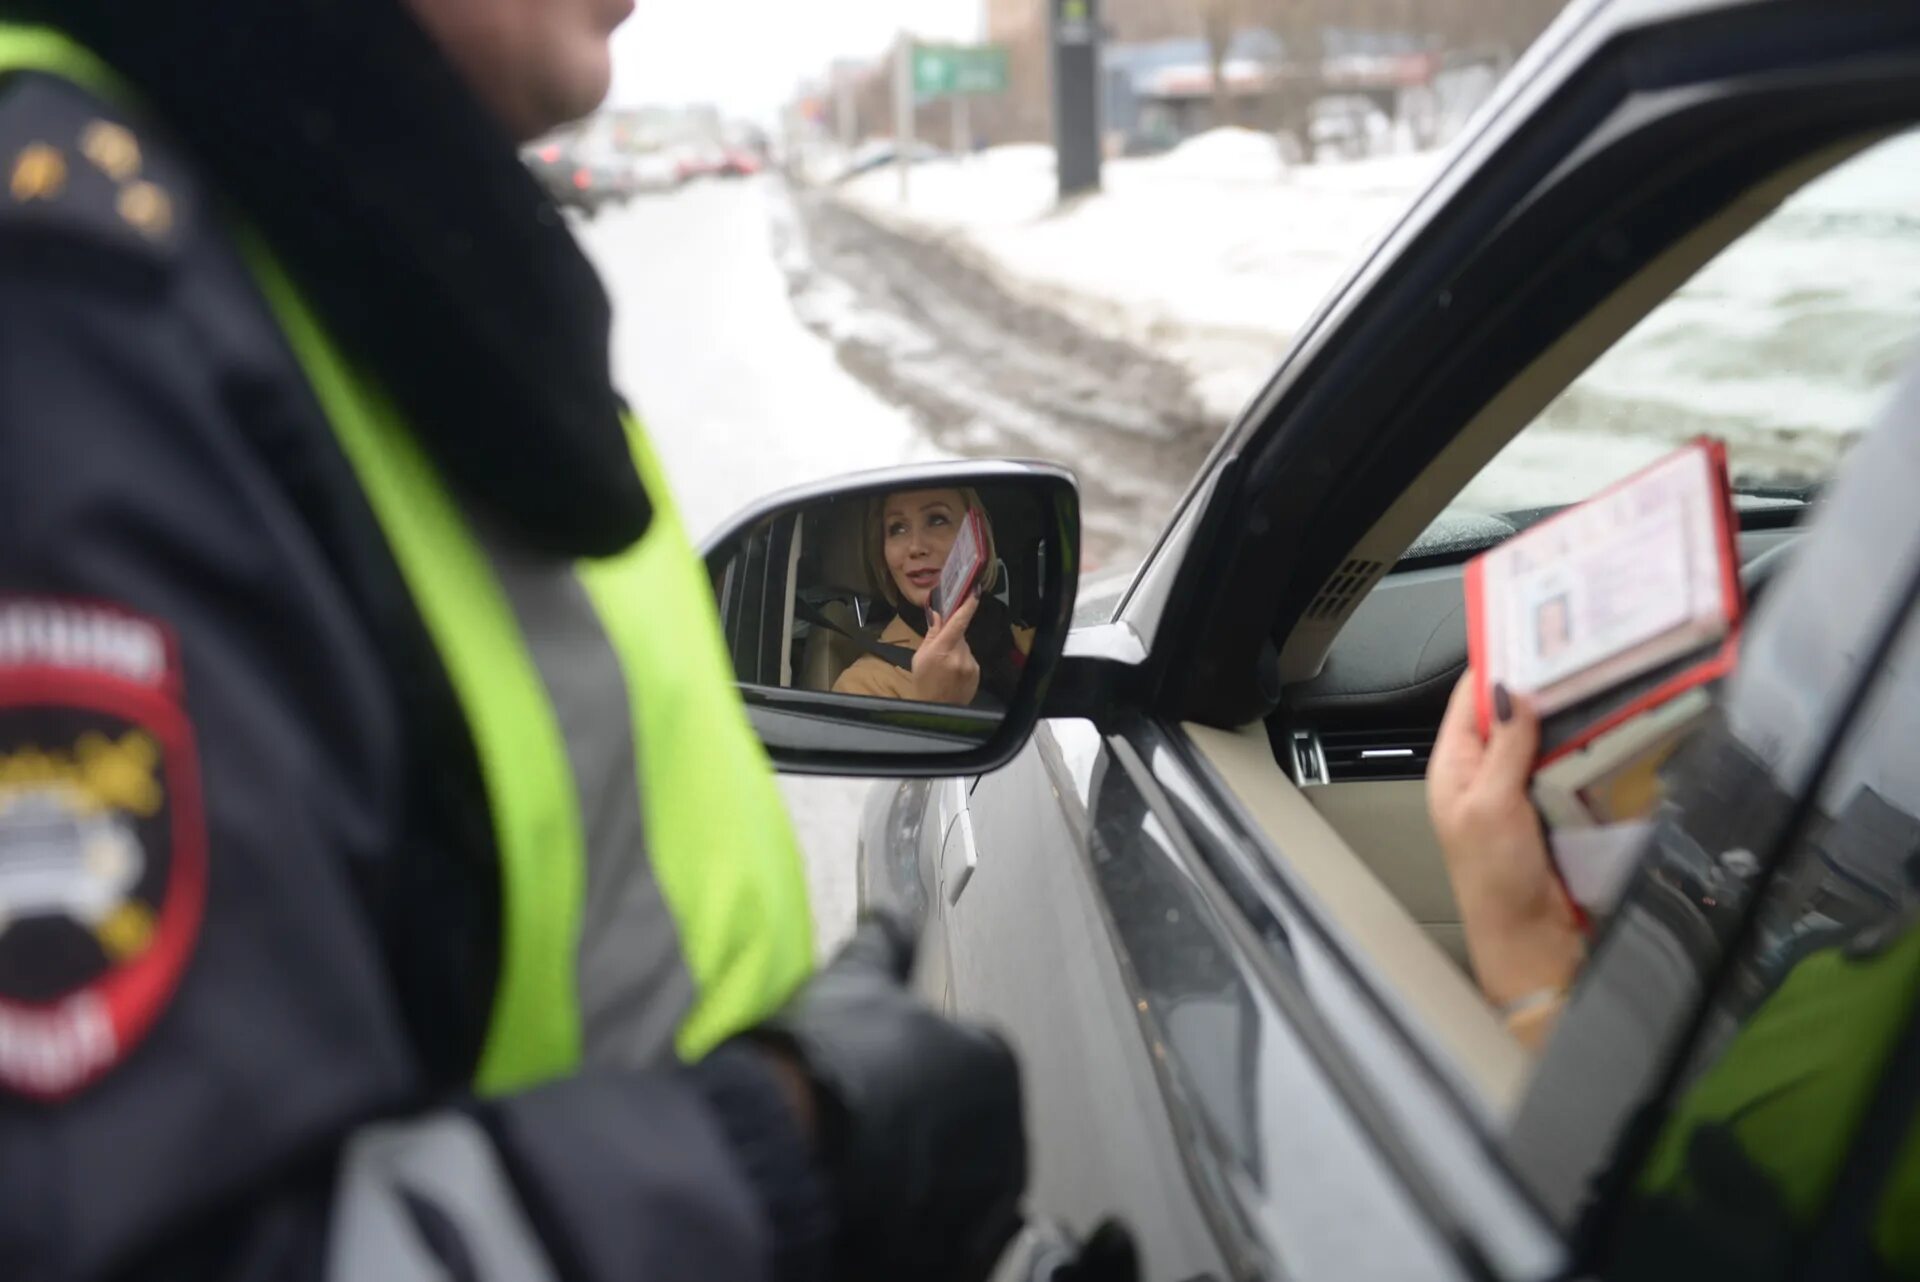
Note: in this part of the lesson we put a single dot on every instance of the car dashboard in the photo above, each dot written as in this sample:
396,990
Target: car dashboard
1373,709
1356,738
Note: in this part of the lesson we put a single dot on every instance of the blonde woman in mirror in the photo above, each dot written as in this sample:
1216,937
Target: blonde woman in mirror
974,656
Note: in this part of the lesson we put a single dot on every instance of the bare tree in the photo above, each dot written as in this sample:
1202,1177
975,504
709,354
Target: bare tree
1295,76
1300,74
1218,20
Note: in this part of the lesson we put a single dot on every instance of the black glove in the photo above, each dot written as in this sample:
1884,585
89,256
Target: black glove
920,1126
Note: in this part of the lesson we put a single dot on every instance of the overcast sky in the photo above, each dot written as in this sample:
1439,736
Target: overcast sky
747,55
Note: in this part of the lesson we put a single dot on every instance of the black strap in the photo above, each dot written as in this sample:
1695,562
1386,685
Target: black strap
898,655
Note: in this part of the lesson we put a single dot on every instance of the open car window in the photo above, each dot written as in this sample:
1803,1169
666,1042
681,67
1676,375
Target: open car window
1791,344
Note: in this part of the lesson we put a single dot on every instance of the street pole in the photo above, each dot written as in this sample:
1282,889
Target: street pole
1076,95
962,126
903,110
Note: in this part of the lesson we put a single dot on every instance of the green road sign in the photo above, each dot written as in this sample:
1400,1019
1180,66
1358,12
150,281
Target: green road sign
948,71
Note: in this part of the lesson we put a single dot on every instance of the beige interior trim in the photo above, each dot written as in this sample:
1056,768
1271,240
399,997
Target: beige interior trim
1385,823
1409,964
1521,401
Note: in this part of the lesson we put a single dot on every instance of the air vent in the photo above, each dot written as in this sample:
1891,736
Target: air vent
1351,582
1309,767
1352,756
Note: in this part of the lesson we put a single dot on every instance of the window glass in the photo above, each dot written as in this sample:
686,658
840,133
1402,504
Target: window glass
1749,1156
1737,1172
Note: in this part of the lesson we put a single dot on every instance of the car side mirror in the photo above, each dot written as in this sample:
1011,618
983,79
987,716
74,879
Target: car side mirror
827,595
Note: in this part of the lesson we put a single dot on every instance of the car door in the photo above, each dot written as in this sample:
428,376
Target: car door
1034,948
1177,1075
1216,1010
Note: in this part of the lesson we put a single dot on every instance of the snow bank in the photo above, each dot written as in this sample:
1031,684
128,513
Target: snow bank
1224,156
1214,253
1027,157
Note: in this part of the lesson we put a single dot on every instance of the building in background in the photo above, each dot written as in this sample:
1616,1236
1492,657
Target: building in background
1023,113
1344,74
1175,67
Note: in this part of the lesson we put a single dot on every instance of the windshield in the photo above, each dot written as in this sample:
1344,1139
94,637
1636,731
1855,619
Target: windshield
1786,345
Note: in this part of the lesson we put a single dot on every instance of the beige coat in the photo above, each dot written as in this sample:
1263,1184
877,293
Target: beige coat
874,677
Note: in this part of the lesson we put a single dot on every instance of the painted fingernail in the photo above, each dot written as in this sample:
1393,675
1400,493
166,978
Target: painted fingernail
1502,704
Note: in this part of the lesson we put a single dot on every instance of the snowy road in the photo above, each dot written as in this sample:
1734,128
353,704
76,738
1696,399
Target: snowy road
740,399
767,343
987,373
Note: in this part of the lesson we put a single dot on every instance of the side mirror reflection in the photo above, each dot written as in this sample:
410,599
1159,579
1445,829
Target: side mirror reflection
901,622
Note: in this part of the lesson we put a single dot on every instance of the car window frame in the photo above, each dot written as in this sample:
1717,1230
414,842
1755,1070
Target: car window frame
751,636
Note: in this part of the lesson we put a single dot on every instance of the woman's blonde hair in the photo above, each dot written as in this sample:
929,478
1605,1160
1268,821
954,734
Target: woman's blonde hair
873,537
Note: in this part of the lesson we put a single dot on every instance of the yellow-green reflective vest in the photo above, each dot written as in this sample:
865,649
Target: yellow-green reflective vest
652,895
1793,1086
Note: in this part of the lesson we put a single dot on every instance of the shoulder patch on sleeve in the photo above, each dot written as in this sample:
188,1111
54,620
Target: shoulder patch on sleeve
72,167
103,867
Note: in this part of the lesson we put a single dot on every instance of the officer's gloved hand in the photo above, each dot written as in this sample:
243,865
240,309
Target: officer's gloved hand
919,1120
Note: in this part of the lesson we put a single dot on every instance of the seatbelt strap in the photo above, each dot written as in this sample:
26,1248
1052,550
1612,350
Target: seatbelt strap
898,655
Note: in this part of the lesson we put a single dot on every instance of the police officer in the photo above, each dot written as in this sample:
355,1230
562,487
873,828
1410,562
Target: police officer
390,884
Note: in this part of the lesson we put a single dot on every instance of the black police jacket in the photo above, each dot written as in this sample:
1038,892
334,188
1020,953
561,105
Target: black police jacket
283,1093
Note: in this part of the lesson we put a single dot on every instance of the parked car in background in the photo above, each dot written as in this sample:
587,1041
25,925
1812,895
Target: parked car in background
1347,127
696,160
552,163
741,162
575,181
655,171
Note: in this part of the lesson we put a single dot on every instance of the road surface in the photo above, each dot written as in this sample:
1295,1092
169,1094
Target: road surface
740,399
987,374
768,340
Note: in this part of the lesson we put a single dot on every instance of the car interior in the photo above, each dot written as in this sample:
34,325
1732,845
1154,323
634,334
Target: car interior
833,604
1335,778
829,578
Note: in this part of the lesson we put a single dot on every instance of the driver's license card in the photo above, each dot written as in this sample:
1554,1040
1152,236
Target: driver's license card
1606,590
961,574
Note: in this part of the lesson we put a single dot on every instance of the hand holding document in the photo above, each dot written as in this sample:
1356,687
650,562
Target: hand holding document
1612,618
1610,590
